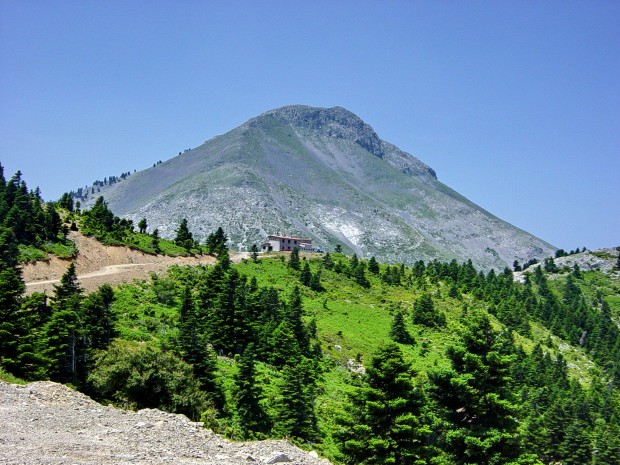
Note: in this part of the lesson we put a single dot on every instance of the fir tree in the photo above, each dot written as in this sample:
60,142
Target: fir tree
327,261
353,264
398,330
183,237
155,241
63,342
305,276
387,421
216,241
188,328
315,282
99,318
293,261
11,288
247,394
475,398
142,226
373,266
359,274
254,253
296,416
66,202
294,314
283,346
99,219
424,312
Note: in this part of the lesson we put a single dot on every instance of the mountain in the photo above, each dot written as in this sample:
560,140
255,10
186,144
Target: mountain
321,173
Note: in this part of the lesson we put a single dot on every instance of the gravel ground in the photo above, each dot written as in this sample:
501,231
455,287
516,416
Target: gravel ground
50,424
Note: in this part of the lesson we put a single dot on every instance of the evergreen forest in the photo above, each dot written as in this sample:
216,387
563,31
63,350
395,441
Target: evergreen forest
365,362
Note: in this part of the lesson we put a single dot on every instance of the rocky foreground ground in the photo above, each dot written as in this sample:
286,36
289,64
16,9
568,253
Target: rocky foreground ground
47,423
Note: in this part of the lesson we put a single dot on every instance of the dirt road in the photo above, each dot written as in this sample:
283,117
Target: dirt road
97,264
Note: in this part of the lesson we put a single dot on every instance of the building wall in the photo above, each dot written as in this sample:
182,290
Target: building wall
285,244
288,244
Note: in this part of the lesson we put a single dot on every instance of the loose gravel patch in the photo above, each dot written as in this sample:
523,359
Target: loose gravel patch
50,424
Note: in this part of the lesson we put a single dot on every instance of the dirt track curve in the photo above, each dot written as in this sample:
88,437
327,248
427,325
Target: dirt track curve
97,264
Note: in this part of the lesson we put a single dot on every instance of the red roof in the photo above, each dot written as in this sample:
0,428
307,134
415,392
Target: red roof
290,237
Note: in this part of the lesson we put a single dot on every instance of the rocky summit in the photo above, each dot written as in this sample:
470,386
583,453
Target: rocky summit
320,173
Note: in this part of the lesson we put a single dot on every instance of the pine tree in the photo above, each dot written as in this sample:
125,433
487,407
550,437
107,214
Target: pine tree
296,416
424,312
373,266
142,226
183,237
249,414
398,330
216,241
254,253
99,318
359,274
305,276
293,316
315,282
293,261
475,399
11,288
387,420
63,344
155,241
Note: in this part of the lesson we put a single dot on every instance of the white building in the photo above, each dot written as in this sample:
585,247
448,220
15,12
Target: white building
287,243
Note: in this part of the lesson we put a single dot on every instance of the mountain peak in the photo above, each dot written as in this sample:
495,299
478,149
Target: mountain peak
320,173
336,122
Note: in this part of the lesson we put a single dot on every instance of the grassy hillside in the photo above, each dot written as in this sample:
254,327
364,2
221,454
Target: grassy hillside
295,337
354,320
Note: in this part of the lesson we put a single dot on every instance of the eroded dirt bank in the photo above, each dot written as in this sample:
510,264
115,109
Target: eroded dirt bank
97,264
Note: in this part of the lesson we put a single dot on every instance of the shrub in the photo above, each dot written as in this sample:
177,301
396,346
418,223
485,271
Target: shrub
141,376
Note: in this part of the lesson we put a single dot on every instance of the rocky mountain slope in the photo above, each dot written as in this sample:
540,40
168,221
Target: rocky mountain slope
321,173
50,424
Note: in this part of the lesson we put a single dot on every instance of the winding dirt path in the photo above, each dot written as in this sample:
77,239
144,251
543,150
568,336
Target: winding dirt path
97,264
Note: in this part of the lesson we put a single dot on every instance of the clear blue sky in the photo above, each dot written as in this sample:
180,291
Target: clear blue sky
515,104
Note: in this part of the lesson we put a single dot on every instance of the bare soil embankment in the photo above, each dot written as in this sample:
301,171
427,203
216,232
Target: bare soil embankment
97,264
